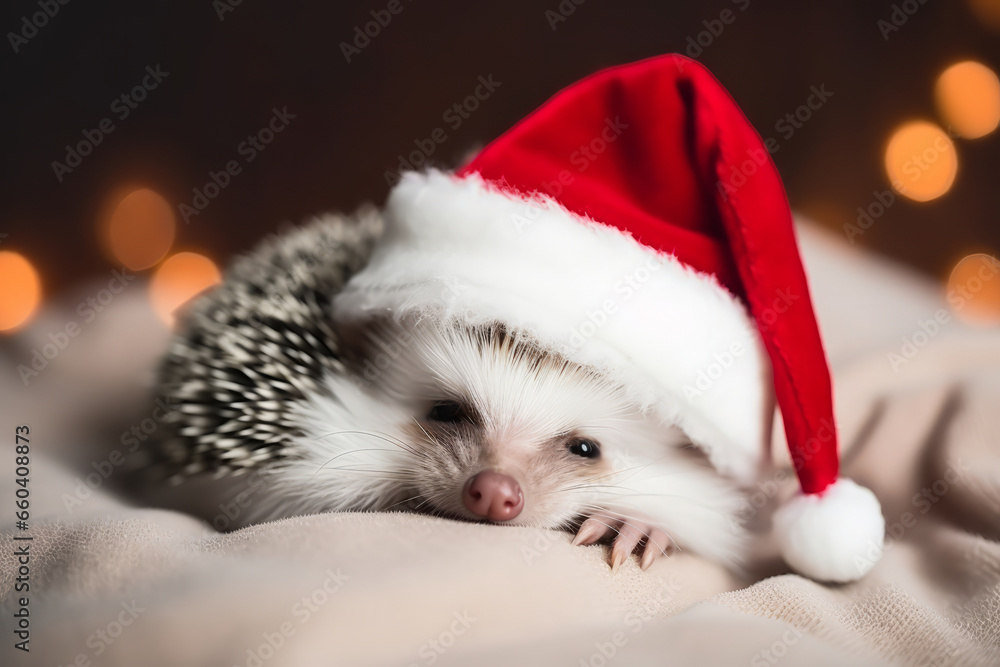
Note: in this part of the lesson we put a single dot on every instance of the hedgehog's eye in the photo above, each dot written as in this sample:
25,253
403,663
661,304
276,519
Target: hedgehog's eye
447,411
588,449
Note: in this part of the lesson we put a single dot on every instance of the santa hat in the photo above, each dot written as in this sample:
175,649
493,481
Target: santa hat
635,223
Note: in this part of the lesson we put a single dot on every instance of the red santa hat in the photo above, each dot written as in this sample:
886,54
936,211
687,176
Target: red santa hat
636,223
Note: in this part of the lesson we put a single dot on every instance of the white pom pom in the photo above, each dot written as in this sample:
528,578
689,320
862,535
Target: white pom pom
835,536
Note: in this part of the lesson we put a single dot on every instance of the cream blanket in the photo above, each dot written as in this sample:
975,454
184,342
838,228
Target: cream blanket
116,584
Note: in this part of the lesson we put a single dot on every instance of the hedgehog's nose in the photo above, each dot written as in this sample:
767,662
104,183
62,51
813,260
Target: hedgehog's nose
493,495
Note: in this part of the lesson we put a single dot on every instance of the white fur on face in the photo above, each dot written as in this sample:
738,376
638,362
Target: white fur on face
370,445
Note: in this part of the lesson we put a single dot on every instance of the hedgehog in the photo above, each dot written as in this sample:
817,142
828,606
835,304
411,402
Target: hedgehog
470,422
591,324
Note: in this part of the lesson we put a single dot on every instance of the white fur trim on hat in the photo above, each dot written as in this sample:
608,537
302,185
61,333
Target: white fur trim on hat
836,535
461,249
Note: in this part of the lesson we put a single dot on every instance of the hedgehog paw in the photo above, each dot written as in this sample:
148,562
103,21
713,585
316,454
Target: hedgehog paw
630,535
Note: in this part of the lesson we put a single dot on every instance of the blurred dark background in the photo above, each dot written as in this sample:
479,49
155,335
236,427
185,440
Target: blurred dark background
230,64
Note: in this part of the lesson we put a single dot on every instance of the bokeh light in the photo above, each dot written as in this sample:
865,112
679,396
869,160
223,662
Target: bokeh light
968,98
921,161
141,229
988,13
178,279
974,289
22,290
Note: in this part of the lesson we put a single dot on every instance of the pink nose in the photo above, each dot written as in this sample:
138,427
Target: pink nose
494,496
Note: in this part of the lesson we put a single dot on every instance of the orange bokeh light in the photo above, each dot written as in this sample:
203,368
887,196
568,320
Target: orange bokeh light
968,97
178,279
141,229
921,161
974,289
22,290
988,12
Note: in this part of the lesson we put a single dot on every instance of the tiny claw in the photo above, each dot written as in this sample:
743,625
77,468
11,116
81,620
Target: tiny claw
657,543
628,538
617,558
633,536
648,556
590,531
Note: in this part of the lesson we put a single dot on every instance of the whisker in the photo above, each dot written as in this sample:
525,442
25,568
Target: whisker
637,467
590,484
381,436
422,429
386,509
421,504
352,451
389,474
